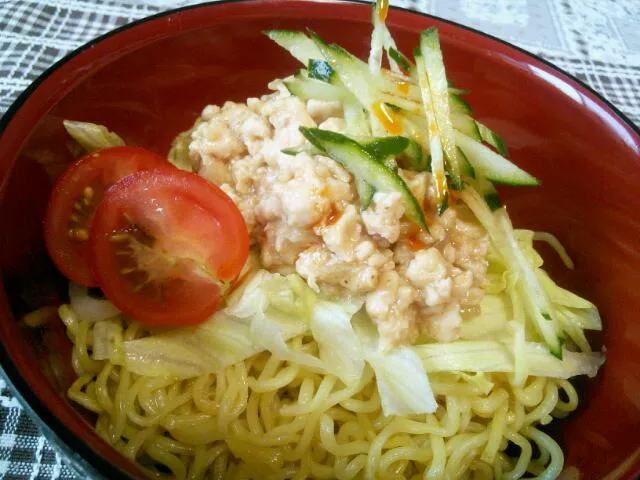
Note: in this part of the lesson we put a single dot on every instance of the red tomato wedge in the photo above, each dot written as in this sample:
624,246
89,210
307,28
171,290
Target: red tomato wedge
74,199
166,245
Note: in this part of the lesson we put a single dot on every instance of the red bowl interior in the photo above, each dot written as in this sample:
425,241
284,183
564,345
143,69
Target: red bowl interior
150,81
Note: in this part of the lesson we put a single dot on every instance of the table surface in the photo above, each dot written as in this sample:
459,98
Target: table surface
598,41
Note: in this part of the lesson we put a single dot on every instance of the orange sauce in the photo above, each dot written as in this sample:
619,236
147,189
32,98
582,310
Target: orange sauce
413,240
441,186
331,217
387,117
383,10
403,87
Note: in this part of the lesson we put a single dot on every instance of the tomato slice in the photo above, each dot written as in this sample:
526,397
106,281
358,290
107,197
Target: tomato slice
74,199
166,245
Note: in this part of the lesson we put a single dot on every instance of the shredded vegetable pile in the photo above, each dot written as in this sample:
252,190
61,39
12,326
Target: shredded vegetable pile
289,382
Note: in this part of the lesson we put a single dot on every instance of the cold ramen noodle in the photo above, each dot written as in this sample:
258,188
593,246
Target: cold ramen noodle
350,301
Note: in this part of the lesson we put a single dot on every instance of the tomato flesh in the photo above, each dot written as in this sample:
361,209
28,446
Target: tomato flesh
74,199
165,245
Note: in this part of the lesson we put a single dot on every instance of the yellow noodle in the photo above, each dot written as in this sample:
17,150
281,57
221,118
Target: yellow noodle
546,405
497,429
572,403
77,394
439,459
265,418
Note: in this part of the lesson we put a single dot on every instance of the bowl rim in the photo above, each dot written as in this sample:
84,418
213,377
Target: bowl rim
78,455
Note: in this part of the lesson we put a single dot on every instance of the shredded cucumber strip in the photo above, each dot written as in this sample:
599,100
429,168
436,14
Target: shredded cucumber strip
296,43
364,166
435,147
535,300
431,58
493,357
492,165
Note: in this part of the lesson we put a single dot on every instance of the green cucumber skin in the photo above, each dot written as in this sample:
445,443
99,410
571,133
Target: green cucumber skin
414,158
493,166
364,166
493,201
467,168
492,138
320,70
466,124
365,192
308,88
459,105
403,62
444,205
385,147
296,43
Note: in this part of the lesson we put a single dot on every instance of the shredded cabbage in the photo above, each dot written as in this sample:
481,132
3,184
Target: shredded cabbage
491,319
339,345
553,241
402,381
178,155
107,339
191,351
88,308
269,310
263,315
522,264
493,356
92,137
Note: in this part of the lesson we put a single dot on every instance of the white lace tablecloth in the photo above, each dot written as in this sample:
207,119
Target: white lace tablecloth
596,40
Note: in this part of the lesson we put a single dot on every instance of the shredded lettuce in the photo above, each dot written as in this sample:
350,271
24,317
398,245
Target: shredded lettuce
492,356
521,264
266,312
339,345
492,318
91,136
553,241
107,339
191,351
178,155
401,379
270,333
88,308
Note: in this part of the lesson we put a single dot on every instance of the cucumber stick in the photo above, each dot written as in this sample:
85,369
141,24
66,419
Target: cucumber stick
304,49
385,147
403,63
377,37
536,302
414,158
486,189
435,88
435,147
296,43
529,288
467,168
467,125
320,70
489,164
309,88
492,138
353,74
364,166
365,193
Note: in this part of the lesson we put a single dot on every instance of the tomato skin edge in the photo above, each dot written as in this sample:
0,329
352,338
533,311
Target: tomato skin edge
73,260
